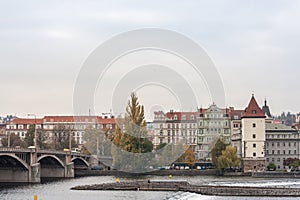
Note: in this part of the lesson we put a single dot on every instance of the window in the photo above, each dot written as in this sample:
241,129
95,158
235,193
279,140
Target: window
273,152
278,159
278,144
253,136
283,151
254,154
273,159
278,151
272,144
175,117
183,117
254,145
192,117
253,111
253,125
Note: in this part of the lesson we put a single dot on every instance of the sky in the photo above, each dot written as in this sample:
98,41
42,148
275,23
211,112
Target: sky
254,46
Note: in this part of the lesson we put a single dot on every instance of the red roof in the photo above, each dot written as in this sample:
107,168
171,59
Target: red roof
27,121
86,119
253,110
188,115
71,119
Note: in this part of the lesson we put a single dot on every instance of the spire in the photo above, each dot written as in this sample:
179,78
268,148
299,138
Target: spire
265,102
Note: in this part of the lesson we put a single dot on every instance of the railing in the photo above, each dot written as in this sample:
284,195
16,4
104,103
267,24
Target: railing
8,149
43,151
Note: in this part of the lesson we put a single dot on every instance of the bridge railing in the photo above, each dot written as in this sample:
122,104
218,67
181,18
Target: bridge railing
9,149
43,151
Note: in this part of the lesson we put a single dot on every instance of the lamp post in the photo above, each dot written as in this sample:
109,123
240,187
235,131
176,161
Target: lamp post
35,131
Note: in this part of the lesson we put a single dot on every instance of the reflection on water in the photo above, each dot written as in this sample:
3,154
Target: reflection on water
60,190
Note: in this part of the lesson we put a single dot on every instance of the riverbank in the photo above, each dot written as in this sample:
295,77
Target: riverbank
194,172
200,189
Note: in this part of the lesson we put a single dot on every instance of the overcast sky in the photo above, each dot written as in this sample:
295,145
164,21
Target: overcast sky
255,46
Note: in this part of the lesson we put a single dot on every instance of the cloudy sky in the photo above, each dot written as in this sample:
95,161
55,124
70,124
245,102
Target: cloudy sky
254,45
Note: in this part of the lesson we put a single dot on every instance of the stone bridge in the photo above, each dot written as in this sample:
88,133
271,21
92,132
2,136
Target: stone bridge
30,165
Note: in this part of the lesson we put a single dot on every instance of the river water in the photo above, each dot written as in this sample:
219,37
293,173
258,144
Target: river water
60,190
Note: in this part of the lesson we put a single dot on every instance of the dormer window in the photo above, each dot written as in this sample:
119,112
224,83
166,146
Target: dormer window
253,111
192,117
175,117
183,117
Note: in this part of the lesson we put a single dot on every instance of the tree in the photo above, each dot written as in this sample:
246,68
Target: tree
29,136
271,167
292,162
15,140
97,142
228,159
160,146
216,152
61,137
190,157
133,139
42,138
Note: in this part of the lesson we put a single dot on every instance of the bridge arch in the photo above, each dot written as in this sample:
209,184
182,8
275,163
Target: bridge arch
11,160
78,161
50,160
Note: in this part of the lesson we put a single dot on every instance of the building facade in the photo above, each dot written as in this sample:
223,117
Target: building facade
48,124
175,128
282,142
213,123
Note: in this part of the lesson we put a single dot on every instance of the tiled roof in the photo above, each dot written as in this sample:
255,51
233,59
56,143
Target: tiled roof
66,119
188,115
27,121
238,113
253,110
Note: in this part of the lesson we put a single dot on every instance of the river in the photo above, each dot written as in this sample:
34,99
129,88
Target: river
60,190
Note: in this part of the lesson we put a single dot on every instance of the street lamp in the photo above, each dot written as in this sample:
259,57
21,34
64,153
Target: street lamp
35,131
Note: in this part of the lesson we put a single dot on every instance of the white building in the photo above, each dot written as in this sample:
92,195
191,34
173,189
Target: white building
253,138
175,127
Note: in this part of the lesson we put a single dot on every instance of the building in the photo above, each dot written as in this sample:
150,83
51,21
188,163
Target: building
175,128
48,124
20,126
282,142
213,123
253,137
2,132
236,129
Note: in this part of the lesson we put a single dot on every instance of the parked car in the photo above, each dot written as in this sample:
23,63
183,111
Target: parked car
186,167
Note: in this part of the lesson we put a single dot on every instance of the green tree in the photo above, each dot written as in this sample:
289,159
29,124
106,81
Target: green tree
228,159
160,146
133,138
271,167
42,138
216,152
29,136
